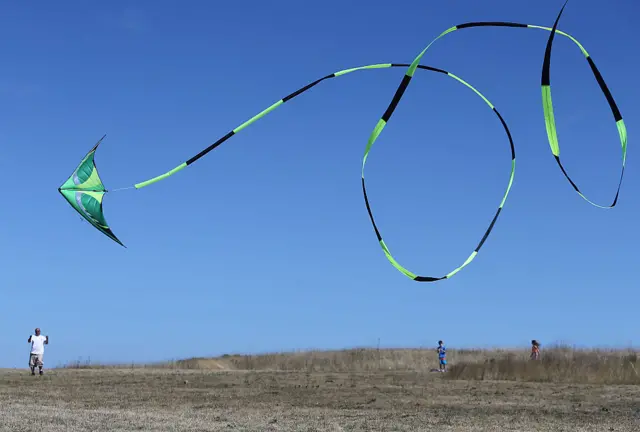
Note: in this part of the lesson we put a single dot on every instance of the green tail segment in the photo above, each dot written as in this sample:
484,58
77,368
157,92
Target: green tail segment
84,190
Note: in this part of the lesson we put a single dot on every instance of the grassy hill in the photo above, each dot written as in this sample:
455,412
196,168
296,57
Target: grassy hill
557,363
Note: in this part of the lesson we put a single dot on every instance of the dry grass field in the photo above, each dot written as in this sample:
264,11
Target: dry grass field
353,390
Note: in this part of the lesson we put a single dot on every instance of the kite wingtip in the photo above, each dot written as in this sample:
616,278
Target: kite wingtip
98,143
117,240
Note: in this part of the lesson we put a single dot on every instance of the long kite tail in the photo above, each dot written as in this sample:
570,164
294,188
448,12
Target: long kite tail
415,65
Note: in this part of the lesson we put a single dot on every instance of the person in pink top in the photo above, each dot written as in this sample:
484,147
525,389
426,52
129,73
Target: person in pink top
535,350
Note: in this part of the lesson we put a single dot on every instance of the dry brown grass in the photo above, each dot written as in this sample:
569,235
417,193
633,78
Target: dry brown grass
165,399
356,390
349,360
557,364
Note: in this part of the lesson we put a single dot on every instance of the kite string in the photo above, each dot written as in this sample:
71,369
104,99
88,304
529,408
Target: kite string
121,189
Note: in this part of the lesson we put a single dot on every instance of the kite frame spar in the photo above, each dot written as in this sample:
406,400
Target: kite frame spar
84,189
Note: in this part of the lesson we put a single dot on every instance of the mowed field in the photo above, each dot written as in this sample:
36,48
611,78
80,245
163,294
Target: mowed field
355,390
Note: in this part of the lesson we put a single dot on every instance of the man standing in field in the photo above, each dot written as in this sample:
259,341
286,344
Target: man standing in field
37,342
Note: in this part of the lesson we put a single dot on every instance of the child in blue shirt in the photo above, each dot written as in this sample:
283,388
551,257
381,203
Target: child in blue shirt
442,357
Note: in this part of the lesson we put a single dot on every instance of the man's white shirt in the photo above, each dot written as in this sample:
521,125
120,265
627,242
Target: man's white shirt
37,344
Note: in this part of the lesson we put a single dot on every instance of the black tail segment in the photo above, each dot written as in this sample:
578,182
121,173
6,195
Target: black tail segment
615,199
546,64
429,68
486,234
366,201
490,24
504,125
428,279
305,88
603,86
396,98
211,147
575,186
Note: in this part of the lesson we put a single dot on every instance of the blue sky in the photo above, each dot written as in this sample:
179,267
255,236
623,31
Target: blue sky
265,244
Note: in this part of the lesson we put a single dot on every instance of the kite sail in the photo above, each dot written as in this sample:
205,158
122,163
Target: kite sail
84,189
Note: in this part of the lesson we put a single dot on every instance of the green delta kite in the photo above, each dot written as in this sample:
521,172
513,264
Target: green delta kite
84,189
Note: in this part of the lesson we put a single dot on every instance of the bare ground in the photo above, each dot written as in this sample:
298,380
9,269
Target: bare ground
169,399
